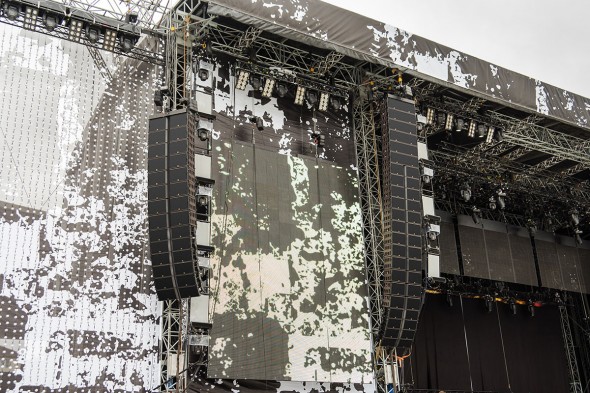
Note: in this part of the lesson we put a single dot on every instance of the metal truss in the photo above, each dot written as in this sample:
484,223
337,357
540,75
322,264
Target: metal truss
542,139
329,62
371,204
487,214
174,328
100,63
570,351
149,12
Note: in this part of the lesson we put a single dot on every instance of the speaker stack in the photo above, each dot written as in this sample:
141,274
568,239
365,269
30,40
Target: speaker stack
402,292
172,206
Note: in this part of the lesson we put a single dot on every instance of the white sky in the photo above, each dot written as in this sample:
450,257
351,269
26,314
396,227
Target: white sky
543,39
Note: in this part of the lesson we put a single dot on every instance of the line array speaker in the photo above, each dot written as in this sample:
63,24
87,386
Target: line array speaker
172,204
402,205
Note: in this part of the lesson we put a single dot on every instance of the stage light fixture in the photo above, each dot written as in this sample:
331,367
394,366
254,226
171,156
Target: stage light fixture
323,105
441,119
499,135
574,217
255,82
203,74
449,122
492,203
203,200
481,131
75,30
131,18
471,131
110,39
242,80
427,174
489,302
532,227
318,139
531,308
432,231
335,103
578,236
311,97
299,95
92,33
127,43
459,125
11,11
258,121
30,18
429,116
269,85
476,215
490,134
501,199
203,134
512,305
282,90
466,192
50,21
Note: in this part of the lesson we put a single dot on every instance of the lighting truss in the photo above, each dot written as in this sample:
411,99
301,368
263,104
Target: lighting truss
269,85
242,80
300,95
323,105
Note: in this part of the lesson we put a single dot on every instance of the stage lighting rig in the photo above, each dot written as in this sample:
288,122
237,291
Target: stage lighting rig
481,131
492,203
31,15
258,121
427,173
429,115
476,215
459,125
11,10
449,122
318,139
311,97
471,130
269,85
466,192
335,103
489,303
501,198
242,79
531,307
282,90
490,135
578,236
441,119
51,21
203,134
92,34
512,305
299,95
575,217
255,82
323,105
75,32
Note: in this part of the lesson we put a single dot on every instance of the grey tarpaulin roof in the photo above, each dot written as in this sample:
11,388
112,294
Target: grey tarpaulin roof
324,25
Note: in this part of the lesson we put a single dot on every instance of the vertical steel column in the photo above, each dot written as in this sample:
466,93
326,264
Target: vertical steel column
570,351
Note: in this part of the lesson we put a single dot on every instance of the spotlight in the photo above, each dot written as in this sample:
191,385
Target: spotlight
269,85
335,103
110,39
131,18
441,119
203,134
501,199
574,217
471,131
323,105
127,43
489,302
319,139
258,121
300,95
476,215
481,131
578,236
429,116
282,90
255,82
158,98
50,21
311,97
427,174
466,192
512,305
490,134
432,231
92,33
203,200
203,74
492,203
242,79
31,18
460,124
11,11
531,307
75,30
449,122
499,135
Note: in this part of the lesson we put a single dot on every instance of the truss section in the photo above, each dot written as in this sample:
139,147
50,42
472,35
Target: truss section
570,351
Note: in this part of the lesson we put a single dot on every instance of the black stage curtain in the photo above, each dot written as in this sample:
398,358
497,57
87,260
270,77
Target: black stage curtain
463,347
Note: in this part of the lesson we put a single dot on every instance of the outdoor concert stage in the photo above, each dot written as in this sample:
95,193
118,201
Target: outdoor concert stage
285,197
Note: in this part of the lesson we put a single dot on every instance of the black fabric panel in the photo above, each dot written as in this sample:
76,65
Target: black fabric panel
534,350
548,264
499,258
475,262
439,355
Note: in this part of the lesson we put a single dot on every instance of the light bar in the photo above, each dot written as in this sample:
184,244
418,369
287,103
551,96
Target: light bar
471,132
449,122
429,116
490,134
242,79
269,85
75,30
299,95
110,39
30,18
323,105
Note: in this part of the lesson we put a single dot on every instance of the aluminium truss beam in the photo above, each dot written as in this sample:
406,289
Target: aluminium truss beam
570,351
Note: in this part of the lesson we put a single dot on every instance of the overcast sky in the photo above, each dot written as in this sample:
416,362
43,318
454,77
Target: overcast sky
543,39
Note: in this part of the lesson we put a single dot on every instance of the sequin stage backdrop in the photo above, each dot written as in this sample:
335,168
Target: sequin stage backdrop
78,310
